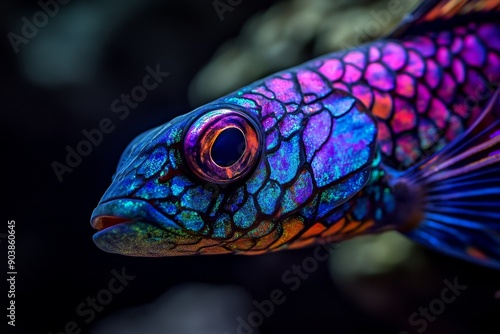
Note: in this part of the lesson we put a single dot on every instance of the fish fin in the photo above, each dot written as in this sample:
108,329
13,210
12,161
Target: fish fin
460,193
430,14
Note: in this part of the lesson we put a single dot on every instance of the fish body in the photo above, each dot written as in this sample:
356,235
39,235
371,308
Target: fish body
359,141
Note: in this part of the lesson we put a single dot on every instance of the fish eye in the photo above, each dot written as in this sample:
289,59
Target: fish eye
222,146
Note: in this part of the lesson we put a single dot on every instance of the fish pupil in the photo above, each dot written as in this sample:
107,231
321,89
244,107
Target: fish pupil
228,147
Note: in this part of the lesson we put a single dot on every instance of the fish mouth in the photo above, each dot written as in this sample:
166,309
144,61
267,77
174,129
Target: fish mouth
134,227
103,222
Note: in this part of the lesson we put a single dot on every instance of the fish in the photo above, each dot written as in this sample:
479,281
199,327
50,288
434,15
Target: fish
401,133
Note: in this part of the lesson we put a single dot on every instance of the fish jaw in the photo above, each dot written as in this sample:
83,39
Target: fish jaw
135,228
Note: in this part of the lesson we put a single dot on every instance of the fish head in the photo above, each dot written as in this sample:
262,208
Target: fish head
244,174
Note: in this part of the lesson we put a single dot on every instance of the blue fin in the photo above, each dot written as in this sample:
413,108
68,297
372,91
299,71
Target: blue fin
461,193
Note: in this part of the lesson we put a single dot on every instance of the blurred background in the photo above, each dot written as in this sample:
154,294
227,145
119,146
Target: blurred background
64,65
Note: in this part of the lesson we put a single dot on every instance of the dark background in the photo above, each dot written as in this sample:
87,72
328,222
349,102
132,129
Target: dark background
57,263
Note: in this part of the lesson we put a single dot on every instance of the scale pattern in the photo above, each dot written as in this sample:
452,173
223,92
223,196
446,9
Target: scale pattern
319,176
424,90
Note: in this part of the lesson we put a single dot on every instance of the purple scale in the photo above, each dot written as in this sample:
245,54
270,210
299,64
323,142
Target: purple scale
374,54
333,69
290,124
393,56
475,111
427,133
286,75
384,138
284,90
423,44
438,113
316,133
457,45
312,85
460,108
423,98
490,35
378,76
405,85
268,107
291,108
493,67
338,104
404,116
458,69
312,108
447,88
268,123
406,149
443,56
364,94
416,65
474,85
272,140
259,100
444,38
347,148
473,52
356,58
264,91
454,129
341,86
300,191
432,74
351,74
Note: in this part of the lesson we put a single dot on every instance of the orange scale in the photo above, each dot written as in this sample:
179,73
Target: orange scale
334,228
352,225
215,250
291,227
262,229
242,244
267,240
313,231
382,105
364,226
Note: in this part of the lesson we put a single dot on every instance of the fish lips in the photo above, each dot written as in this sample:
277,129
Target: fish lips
135,228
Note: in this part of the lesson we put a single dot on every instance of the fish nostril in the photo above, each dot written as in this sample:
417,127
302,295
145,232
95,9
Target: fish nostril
103,222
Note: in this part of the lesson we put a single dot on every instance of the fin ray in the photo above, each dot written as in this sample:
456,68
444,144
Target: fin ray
461,192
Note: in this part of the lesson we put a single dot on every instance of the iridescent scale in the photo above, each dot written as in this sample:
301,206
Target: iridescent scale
424,90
